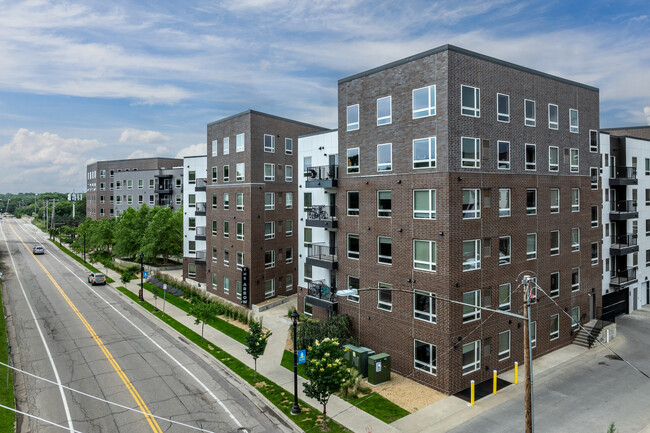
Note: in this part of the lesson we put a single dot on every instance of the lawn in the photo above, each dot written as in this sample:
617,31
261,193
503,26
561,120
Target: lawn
7,417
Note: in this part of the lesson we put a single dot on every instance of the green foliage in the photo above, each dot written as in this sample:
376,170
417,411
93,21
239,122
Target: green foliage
164,234
202,312
335,327
256,340
326,372
354,385
7,417
126,277
612,428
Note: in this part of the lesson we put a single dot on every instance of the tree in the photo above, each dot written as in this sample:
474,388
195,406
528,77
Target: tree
202,312
126,277
256,341
164,234
325,370
127,239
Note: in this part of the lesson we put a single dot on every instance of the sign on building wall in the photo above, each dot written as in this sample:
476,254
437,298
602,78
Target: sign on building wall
244,285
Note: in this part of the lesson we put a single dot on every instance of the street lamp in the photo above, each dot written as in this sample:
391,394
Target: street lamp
295,410
141,297
84,247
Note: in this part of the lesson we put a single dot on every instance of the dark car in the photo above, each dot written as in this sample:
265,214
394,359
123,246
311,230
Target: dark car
97,278
38,249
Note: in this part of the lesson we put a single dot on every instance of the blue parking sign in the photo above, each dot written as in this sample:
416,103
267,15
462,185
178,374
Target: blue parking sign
145,274
302,356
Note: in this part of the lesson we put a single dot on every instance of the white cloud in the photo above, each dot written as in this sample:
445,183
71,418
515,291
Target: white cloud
646,113
140,136
193,150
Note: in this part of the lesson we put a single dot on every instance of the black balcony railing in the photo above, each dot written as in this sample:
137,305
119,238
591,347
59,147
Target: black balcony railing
626,206
200,207
200,231
624,276
624,240
320,290
323,172
201,183
321,212
200,256
322,251
624,172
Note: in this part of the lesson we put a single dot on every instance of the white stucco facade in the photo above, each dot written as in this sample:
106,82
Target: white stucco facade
194,209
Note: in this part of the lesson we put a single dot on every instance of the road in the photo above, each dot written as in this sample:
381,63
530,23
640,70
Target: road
136,373
598,390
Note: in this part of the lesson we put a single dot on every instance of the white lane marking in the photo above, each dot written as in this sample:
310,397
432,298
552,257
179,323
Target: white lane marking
47,348
38,418
223,406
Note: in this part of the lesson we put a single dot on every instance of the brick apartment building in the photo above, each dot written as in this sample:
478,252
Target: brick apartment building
251,195
114,186
460,173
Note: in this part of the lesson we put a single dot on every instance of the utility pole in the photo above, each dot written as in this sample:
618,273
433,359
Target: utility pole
47,214
528,357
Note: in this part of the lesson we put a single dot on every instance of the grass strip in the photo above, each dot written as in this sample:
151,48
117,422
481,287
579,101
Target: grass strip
80,260
308,419
374,404
7,417
217,323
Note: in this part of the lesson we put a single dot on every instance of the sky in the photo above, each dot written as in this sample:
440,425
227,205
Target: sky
96,80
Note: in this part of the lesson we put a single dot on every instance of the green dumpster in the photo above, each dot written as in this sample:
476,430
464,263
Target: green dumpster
347,355
360,359
379,368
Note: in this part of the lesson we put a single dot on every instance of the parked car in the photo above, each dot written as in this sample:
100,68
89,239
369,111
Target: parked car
38,249
97,278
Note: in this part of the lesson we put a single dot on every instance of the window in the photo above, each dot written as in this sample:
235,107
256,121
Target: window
647,227
575,279
353,117
191,247
288,173
269,259
269,230
226,229
214,174
424,152
594,253
269,172
504,296
129,199
140,199
529,112
384,111
288,201
307,202
214,227
555,242
531,157
575,317
531,201
471,203
226,200
574,161
424,255
554,328
575,199
288,257
504,155
573,120
353,160
424,306
504,250
553,158
226,285
269,200
240,231
226,173
191,200
424,356
594,216
471,313
353,246
191,224
504,202
385,297
504,345
424,204
288,282
102,173
239,172
215,147
552,116
129,183
384,204
470,101
471,255
214,200
593,144
239,260
503,107
353,283
647,258
239,143
424,102
353,203
385,157
118,184
531,246
307,234
555,200
555,285
215,279
533,335
151,184
239,201
191,270
140,184
226,145
470,153
288,148
384,250
471,357
269,288
269,143
288,228
238,289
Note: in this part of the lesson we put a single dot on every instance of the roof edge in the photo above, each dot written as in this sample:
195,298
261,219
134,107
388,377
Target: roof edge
259,113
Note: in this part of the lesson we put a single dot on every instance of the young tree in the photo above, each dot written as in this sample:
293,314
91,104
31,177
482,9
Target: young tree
202,312
127,238
164,234
325,370
256,341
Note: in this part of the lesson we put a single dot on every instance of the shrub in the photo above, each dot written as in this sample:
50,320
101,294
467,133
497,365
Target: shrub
336,327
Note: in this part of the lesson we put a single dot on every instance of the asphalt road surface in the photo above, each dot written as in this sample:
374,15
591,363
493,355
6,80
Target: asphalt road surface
137,374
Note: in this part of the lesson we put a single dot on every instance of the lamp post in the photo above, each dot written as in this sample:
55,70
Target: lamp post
140,295
84,247
295,409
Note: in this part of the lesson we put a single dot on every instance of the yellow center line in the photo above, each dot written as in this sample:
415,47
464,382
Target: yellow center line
134,393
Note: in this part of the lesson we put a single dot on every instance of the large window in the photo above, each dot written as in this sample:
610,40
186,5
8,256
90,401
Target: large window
353,283
575,199
504,345
226,145
226,200
353,117
574,161
269,200
504,202
555,200
504,250
504,296
288,228
471,356
470,152
554,329
594,253
384,204
384,250
554,286
288,200
424,306
533,335
471,313
239,260
385,297
575,239
269,172
240,231
239,143
470,101
573,120
424,204
353,246
239,201
353,160
555,242
269,259
385,157
553,158
471,203
424,355
531,246
384,112
269,143
594,216
269,288
353,203
575,317
288,173
424,255
215,172
503,107
424,102
226,173
471,255
424,152
504,155
269,230
529,112
239,171
531,157
288,146
552,116
531,201
575,279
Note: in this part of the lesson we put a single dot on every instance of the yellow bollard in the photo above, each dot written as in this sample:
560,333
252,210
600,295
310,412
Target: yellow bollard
494,382
472,399
516,372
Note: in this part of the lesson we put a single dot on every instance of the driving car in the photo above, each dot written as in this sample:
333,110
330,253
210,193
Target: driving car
38,249
97,278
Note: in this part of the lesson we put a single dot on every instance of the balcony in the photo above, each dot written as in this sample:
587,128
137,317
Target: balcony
623,210
623,176
201,183
200,208
321,216
324,176
163,188
322,295
322,255
200,257
200,234
623,244
623,278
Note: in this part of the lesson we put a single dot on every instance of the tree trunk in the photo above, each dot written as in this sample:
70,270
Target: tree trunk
202,326
325,416
255,375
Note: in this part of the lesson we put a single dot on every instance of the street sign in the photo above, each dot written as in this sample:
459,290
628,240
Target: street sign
302,356
145,274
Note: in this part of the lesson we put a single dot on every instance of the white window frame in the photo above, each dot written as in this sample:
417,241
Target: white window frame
240,172
288,173
430,212
288,228
269,177
239,260
554,335
269,288
475,314
430,109
554,293
226,173
384,213
505,211
288,146
385,120
530,165
384,305
532,254
531,210
506,259
352,254
474,162
575,246
473,263
429,264
476,364
430,366
353,125
269,263
575,192
288,200
595,259
385,166
503,116
354,168
555,250
226,200
288,255
503,165
467,110
350,210
474,213
270,147
553,166
239,201
506,305
381,259
215,147
503,354
430,160
271,203
226,285
574,168
426,316
353,298
553,124
239,233
555,208
575,286
240,142
530,121
574,128
594,149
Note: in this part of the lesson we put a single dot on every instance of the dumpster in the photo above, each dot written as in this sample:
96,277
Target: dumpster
360,359
347,355
378,368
